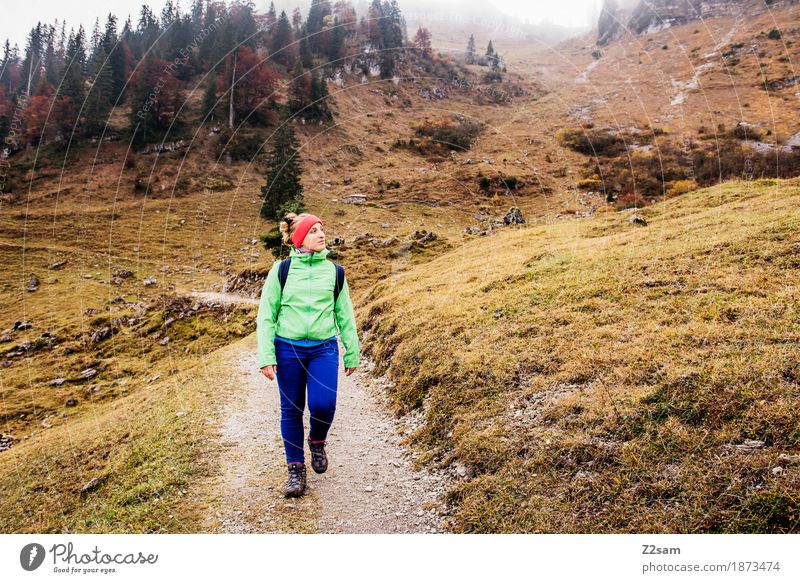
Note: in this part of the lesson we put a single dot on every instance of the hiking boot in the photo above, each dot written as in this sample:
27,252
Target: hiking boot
296,484
319,460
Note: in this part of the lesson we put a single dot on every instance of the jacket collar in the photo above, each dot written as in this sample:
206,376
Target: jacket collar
310,257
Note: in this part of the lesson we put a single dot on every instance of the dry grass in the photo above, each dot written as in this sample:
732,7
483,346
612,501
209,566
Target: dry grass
596,376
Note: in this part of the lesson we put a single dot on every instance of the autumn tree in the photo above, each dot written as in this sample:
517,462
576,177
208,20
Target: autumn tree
255,85
155,101
422,41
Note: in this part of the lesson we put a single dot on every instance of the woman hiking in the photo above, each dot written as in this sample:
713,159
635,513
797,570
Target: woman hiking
298,319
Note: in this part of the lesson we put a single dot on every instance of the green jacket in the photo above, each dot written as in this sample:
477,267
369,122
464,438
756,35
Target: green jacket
306,307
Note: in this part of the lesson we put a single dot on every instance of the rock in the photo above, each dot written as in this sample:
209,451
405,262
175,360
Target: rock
58,264
21,325
461,470
384,225
389,241
787,458
777,471
90,485
165,341
87,276
71,402
58,382
121,273
513,217
480,217
749,445
473,230
88,373
336,241
369,489
637,220
180,414
355,199
6,441
101,334
150,281
33,283
339,213
6,337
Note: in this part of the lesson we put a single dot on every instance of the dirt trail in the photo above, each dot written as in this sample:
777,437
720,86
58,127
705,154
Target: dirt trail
369,486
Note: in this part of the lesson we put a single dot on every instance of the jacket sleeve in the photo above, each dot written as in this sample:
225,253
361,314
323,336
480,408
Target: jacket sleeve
265,321
346,321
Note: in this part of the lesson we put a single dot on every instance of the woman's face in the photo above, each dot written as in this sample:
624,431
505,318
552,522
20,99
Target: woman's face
315,238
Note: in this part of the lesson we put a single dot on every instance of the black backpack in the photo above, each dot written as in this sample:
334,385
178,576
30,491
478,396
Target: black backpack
283,273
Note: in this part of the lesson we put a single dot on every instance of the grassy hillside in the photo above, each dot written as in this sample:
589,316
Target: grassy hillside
600,376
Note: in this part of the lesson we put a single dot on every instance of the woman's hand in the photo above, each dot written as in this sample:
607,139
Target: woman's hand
349,371
269,371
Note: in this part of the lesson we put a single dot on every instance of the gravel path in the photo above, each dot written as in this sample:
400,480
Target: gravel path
369,486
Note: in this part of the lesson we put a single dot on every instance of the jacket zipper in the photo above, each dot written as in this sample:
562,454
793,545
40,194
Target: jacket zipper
308,303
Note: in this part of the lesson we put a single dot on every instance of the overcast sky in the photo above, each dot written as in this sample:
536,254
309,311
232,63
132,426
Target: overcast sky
19,16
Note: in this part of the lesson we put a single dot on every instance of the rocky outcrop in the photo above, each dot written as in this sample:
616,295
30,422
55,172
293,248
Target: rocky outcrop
651,16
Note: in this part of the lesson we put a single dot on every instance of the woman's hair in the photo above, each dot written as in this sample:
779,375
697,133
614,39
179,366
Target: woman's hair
288,224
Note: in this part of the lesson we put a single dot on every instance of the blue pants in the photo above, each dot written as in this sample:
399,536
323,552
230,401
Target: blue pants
298,366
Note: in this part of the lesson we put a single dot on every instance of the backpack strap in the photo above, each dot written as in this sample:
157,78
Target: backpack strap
339,282
283,271
283,274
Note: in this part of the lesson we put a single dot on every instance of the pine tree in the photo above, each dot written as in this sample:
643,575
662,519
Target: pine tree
336,49
491,56
305,49
281,47
99,99
72,85
320,99
300,93
471,52
32,64
283,185
116,58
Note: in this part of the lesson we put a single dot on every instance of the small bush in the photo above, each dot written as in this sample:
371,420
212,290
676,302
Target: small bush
774,34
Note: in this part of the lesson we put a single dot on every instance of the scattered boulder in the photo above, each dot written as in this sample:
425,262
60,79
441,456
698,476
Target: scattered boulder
91,485
121,273
637,220
248,282
22,325
71,402
88,373
150,281
33,283
164,341
58,264
355,199
6,440
339,213
513,217
102,334
58,382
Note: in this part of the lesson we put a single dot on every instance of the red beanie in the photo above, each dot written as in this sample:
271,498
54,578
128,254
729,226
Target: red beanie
302,229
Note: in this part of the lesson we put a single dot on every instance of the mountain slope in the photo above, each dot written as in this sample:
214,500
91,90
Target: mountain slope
600,376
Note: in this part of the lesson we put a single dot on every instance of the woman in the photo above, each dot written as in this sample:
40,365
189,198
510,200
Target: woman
296,332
